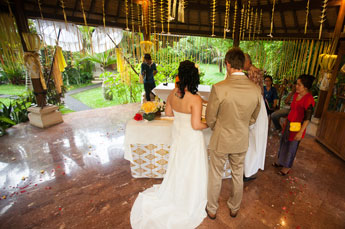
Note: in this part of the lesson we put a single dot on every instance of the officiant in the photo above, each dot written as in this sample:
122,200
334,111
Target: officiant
148,71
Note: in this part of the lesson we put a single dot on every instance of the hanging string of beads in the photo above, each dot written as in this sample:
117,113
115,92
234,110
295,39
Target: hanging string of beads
103,13
242,24
127,12
255,23
234,26
306,18
213,16
260,20
226,19
323,16
162,15
272,17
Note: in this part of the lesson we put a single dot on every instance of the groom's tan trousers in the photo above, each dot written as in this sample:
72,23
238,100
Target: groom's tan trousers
215,173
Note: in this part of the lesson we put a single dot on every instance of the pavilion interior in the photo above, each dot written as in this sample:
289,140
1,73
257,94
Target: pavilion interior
74,175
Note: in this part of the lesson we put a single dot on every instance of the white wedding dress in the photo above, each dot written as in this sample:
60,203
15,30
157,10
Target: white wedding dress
256,153
180,201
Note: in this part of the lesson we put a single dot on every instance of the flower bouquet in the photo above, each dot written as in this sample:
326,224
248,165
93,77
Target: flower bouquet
151,109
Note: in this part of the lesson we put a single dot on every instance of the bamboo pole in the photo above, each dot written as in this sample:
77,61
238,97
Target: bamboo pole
306,69
300,62
295,58
303,56
290,45
282,59
315,57
325,47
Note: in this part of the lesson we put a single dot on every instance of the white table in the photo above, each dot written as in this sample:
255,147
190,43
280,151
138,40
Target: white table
163,91
147,145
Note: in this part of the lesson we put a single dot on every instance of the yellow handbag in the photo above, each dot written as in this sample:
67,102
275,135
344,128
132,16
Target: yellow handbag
295,126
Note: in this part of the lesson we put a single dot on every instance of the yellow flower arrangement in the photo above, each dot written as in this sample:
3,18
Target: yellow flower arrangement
149,107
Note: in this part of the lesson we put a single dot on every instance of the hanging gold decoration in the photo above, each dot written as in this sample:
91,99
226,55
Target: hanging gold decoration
82,9
213,16
255,23
139,16
127,12
260,20
248,16
226,19
39,6
162,15
147,16
228,24
272,17
306,18
132,17
323,16
103,13
173,14
241,24
234,26
181,6
168,15
63,11
251,22
154,15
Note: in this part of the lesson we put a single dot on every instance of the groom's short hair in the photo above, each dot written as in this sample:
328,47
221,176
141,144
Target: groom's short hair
235,57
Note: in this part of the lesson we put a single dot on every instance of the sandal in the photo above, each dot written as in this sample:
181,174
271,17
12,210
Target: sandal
282,173
274,164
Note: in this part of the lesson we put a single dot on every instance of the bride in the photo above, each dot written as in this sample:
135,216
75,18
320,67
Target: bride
180,201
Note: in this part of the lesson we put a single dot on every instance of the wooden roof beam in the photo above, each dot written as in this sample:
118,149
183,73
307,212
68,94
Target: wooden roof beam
282,17
292,5
188,31
295,17
74,9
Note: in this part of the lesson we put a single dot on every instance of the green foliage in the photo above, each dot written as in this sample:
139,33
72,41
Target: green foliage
52,96
79,70
104,59
113,86
13,73
16,112
9,89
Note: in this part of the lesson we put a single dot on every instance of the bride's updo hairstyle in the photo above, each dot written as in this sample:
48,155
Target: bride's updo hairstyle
189,77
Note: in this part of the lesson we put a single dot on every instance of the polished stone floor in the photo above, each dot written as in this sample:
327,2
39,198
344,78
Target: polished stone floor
73,175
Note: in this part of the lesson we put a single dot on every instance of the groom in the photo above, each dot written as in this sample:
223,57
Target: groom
233,106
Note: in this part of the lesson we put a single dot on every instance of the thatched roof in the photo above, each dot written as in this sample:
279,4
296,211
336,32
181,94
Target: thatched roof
289,15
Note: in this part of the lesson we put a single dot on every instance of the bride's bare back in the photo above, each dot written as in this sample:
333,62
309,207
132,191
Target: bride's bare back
189,104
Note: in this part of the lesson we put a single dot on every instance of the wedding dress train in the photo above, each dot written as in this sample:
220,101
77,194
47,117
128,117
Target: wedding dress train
256,153
179,202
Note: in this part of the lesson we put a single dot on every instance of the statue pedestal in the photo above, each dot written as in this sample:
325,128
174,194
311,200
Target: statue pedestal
45,117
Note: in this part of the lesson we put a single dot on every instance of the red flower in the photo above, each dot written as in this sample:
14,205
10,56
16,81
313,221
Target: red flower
138,117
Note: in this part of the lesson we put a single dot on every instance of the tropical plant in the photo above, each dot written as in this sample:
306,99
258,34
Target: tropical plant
13,73
16,112
86,32
104,59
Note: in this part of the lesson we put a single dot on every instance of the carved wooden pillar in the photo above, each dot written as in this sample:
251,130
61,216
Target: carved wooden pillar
23,27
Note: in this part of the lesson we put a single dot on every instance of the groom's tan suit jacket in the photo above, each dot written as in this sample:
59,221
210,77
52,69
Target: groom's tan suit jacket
233,105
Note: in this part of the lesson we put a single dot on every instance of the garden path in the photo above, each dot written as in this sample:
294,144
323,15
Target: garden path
75,104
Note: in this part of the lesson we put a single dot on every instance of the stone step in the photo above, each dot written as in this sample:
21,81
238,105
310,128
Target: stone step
97,81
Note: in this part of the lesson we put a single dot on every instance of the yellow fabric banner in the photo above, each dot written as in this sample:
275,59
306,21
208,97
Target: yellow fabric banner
60,59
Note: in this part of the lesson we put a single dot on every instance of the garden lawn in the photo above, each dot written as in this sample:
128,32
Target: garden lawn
65,110
94,98
9,89
212,74
76,86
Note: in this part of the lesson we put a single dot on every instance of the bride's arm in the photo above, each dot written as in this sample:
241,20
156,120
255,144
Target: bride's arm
196,114
168,108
